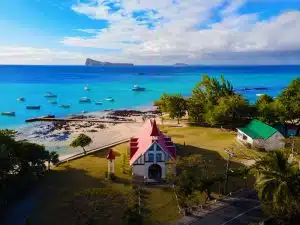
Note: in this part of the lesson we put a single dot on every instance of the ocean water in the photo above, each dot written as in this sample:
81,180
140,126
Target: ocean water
32,83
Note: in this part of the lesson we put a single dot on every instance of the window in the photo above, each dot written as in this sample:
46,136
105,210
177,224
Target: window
158,157
150,157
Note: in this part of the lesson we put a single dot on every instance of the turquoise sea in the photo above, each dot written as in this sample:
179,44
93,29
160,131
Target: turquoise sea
32,83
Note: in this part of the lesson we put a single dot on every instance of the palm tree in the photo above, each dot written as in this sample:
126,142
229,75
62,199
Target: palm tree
52,157
278,185
81,141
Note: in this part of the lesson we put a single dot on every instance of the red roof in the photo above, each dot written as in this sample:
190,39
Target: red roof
141,143
111,155
155,131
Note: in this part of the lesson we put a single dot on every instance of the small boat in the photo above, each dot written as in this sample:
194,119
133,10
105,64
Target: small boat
33,107
98,103
50,95
83,111
8,114
86,88
110,99
21,99
259,95
53,102
85,100
138,88
65,106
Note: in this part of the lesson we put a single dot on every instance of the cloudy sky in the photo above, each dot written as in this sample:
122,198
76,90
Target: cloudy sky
150,31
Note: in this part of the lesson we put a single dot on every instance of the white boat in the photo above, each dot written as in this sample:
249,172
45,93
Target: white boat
21,99
86,88
65,106
83,111
8,114
110,99
85,100
98,103
138,88
259,95
50,95
53,102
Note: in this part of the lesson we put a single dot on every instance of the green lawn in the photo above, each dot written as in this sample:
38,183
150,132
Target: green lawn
59,202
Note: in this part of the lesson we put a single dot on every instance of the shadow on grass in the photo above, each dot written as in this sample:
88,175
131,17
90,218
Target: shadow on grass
103,153
216,165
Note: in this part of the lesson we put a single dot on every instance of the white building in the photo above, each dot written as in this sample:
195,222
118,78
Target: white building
151,152
260,135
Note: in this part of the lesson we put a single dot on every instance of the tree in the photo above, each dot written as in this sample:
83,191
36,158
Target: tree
52,157
288,102
229,109
81,141
266,109
278,185
176,106
196,109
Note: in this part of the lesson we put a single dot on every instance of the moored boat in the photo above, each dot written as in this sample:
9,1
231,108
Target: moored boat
85,100
98,103
259,95
138,88
34,107
8,113
50,116
110,99
50,95
22,99
86,88
65,106
53,102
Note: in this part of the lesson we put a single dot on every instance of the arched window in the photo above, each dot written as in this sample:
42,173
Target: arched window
158,157
150,157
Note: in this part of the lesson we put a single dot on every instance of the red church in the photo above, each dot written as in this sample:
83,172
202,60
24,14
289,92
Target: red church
150,152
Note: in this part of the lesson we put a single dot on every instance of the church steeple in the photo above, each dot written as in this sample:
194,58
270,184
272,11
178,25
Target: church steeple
155,131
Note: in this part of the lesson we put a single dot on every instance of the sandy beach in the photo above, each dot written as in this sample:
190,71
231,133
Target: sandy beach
58,136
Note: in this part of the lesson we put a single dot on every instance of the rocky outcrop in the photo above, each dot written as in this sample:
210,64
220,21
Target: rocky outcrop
91,62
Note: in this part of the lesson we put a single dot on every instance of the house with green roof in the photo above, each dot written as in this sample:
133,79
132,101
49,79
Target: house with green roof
260,135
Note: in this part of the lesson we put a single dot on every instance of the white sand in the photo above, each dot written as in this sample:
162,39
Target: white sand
59,139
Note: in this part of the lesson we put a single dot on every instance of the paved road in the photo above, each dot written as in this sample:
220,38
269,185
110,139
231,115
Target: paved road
240,209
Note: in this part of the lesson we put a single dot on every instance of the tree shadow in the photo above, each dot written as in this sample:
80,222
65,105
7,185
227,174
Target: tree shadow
103,153
216,165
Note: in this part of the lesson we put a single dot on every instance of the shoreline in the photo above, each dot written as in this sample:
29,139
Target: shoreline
57,136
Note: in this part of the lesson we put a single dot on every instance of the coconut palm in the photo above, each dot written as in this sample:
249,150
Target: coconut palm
52,157
278,185
81,141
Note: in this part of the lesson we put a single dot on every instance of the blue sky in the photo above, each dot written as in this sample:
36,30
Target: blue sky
150,32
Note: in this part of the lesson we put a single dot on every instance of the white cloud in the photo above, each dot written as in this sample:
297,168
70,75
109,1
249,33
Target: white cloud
168,31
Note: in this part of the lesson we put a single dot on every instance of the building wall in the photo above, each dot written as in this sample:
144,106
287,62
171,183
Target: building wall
142,164
241,135
274,142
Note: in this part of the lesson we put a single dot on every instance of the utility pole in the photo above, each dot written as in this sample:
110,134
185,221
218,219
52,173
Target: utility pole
230,155
293,145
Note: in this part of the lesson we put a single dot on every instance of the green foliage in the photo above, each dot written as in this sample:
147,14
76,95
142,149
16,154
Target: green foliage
278,185
21,163
213,101
81,141
288,102
52,157
267,109
193,180
175,105
230,109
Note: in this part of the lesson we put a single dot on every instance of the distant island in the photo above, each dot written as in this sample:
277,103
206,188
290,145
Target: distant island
91,62
180,64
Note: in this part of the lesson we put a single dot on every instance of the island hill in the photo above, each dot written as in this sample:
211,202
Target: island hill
180,64
91,62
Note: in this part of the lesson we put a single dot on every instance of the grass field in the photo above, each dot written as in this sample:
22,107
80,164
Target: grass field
56,204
